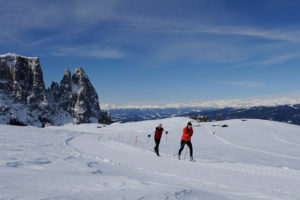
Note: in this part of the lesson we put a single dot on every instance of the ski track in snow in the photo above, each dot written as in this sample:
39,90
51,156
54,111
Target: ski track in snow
276,137
117,162
249,148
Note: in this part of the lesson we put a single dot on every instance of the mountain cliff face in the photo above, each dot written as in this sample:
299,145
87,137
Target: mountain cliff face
77,97
84,98
22,78
24,100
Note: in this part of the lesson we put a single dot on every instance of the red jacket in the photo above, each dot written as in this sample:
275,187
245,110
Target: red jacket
158,133
187,133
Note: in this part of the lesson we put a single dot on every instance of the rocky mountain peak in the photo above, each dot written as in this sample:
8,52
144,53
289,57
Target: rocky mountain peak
65,83
23,78
67,72
26,99
79,70
10,59
80,76
85,97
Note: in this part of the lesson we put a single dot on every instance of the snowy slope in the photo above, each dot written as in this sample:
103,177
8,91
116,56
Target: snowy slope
255,159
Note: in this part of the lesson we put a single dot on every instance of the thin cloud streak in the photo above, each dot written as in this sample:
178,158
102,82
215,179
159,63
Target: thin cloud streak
247,84
90,51
276,60
187,27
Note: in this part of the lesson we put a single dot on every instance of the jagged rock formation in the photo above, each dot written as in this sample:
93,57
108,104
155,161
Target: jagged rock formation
66,91
85,97
24,99
77,96
23,77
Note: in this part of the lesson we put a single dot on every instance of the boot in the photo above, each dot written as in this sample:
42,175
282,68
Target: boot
156,151
191,158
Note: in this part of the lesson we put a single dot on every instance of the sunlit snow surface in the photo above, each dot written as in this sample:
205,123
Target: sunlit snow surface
254,159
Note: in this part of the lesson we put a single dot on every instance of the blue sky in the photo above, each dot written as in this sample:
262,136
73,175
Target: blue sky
161,51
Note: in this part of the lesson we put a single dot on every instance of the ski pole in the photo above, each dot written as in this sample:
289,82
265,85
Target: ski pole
148,141
149,135
166,137
184,154
136,138
148,138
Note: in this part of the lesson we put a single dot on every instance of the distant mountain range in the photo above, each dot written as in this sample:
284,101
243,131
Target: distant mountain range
282,113
284,99
136,114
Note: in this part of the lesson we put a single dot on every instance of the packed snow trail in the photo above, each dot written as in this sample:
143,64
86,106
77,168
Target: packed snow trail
243,161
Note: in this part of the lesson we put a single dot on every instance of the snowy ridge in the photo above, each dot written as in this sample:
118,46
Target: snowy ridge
11,58
14,55
249,160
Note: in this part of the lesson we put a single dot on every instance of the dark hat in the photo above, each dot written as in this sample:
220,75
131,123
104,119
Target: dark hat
189,124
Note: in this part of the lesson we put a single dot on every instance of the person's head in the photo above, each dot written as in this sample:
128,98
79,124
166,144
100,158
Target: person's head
159,125
189,125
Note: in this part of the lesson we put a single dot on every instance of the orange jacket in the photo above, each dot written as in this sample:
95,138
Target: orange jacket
187,133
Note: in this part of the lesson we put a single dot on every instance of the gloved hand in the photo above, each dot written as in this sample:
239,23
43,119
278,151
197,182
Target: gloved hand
166,132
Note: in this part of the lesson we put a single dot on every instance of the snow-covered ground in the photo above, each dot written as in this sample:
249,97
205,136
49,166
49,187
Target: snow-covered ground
252,159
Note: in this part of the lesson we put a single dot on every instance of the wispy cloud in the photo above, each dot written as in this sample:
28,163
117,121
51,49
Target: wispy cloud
278,59
247,84
200,52
271,34
46,14
90,51
19,19
275,60
182,26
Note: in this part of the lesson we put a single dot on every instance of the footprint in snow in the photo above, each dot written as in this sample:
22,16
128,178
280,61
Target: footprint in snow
13,164
39,162
97,172
92,164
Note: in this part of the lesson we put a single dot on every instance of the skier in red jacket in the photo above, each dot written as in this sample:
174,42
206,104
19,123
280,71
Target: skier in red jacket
158,132
186,139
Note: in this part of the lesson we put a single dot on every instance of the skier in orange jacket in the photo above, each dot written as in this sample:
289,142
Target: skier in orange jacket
186,139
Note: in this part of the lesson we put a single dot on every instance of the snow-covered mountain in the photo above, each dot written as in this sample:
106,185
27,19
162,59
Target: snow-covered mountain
26,101
248,160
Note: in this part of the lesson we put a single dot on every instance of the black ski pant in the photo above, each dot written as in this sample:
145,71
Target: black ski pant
189,145
157,141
